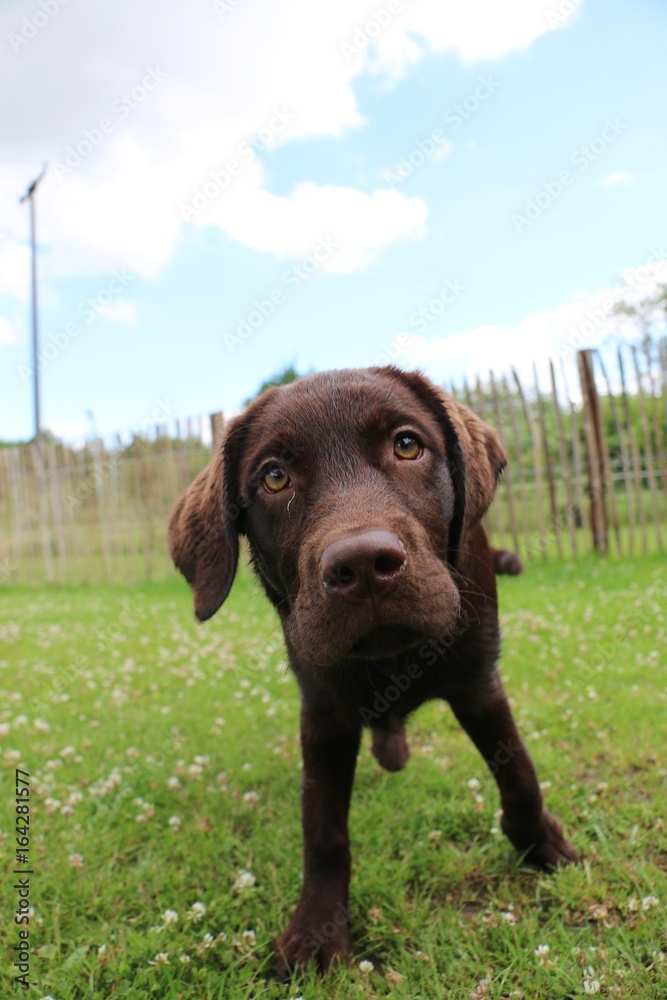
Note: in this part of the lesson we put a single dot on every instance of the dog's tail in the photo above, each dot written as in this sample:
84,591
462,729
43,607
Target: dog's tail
506,563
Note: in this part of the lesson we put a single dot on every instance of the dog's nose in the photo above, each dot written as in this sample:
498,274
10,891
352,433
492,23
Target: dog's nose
362,566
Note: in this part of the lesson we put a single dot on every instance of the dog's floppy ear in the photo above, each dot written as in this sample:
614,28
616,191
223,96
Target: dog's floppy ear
474,454
205,523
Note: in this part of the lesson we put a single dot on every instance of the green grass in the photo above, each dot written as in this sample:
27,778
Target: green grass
129,681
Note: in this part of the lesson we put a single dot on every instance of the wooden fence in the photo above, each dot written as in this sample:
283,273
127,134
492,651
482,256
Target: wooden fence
585,474
587,470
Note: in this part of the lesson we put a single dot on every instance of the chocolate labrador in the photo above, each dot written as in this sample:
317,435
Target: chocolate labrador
361,494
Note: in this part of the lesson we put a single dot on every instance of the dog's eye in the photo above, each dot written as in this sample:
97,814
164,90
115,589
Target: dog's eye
407,446
275,479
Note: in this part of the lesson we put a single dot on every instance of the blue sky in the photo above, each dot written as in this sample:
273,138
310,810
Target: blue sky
522,213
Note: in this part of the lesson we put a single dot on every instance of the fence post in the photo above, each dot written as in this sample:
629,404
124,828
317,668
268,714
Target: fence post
595,448
217,426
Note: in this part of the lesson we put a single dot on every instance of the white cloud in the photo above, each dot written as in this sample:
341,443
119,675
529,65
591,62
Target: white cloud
225,72
73,432
120,313
615,178
14,267
8,333
357,223
557,333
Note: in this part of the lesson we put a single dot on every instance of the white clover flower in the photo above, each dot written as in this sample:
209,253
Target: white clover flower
395,977
366,966
542,952
173,783
162,958
174,821
249,938
76,860
648,902
196,912
474,784
591,986
170,917
244,880
251,798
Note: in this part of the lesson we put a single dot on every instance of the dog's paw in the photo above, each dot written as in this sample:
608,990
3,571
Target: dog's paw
507,563
311,936
547,848
390,748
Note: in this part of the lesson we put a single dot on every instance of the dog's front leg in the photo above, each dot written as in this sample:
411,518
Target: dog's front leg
486,716
319,926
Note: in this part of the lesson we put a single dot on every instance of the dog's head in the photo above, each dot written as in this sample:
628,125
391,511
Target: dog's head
356,490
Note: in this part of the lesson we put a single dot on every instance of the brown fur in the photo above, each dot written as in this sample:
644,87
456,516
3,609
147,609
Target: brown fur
384,582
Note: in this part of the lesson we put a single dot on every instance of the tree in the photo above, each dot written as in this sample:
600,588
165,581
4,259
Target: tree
648,310
281,378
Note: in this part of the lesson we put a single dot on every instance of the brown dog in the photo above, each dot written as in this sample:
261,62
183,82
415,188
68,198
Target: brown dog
361,494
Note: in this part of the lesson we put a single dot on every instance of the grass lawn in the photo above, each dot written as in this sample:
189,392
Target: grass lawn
164,767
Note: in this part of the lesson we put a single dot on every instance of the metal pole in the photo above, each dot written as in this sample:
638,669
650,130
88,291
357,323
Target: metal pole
35,345
29,196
